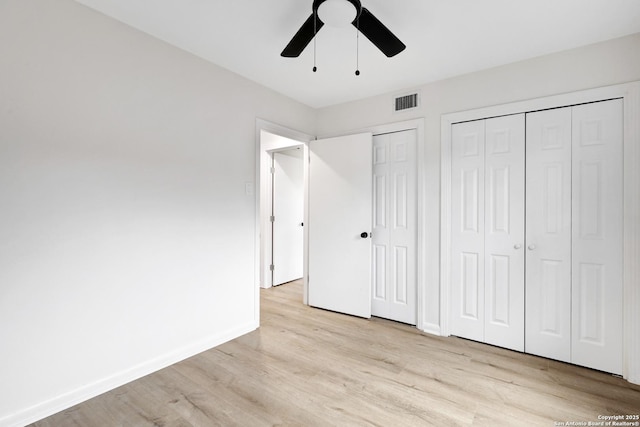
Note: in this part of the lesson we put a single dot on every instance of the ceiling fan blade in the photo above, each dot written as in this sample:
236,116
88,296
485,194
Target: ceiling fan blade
378,34
305,34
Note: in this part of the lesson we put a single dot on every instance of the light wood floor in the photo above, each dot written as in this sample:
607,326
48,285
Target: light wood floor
310,367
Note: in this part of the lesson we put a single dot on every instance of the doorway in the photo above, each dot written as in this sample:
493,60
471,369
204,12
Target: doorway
287,215
272,138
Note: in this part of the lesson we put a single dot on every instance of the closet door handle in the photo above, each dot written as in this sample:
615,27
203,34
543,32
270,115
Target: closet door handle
517,246
531,247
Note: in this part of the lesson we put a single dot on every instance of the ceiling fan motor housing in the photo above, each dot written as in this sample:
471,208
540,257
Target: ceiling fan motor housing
334,11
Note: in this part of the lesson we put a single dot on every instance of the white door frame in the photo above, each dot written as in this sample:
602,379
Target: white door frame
418,125
630,93
263,199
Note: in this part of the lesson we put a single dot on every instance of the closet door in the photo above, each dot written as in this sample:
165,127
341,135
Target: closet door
574,242
504,231
548,212
488,231
597,236
395,226
467,234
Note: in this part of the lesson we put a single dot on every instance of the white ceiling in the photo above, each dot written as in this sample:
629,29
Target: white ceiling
444,38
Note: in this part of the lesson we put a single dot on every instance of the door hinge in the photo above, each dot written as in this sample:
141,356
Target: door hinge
272,170
272,218
272,267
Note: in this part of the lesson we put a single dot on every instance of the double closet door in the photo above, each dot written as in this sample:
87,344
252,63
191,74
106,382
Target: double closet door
537,233
574,283
487,209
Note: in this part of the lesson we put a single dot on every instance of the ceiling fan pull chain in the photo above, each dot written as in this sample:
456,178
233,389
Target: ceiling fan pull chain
358,46
315,34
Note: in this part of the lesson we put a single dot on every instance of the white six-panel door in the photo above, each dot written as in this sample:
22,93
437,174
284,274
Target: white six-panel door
574,235
488,231
548,261
394,226
597,236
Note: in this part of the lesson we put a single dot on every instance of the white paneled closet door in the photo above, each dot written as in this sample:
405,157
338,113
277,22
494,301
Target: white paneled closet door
504,231
574,235
597,236
548,208
488,231
574,243
467,234
394,226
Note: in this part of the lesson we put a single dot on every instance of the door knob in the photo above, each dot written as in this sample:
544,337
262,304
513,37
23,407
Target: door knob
517,246
531,247
364,234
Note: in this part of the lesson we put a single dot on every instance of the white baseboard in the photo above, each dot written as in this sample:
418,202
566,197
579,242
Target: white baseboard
73,397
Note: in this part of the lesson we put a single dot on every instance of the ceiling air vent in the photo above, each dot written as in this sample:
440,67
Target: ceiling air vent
406,102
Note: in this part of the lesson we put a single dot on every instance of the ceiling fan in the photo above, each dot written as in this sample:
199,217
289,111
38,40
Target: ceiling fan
336,12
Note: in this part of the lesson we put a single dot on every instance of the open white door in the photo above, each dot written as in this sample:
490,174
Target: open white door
340,172
288,214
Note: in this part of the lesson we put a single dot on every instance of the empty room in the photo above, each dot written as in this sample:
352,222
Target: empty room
319,212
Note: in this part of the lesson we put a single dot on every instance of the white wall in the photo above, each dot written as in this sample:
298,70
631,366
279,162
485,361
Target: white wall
126,237
612,62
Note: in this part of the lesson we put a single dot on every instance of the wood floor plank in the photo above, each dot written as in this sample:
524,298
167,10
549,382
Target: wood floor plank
310,367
